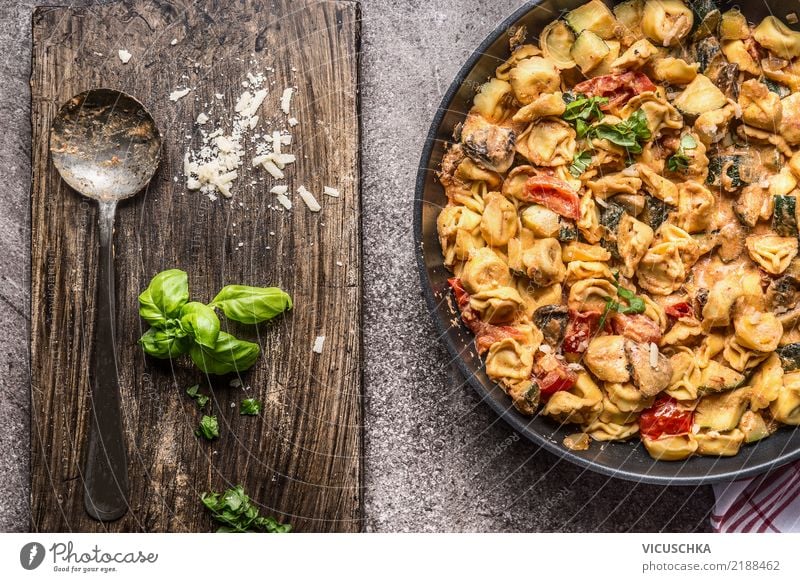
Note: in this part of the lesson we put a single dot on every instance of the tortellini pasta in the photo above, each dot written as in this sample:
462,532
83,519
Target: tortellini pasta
548,142
773,253
621,223
499,220
666,22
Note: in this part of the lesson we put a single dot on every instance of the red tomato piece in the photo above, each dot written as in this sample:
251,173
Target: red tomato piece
637,327
581,328
561,378
619,87
487,334
665,417
679,310
555,194
461,295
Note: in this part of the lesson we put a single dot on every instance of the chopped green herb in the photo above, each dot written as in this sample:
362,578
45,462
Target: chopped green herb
679,161
582,110
630,133
249,407
194,393
236,514
208,428
580,162
635,304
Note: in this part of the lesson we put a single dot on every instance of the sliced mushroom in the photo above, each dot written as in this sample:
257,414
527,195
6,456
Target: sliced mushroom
488,144
651,370
783,293
552,321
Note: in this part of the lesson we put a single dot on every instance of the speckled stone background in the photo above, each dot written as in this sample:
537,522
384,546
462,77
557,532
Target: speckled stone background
436,459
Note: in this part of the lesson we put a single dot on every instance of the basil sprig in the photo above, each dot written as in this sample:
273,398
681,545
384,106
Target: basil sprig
633,303
630,134
235,513
581,110
180,326
580,162
251,304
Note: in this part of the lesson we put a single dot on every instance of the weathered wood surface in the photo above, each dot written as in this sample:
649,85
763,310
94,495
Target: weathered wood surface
301,458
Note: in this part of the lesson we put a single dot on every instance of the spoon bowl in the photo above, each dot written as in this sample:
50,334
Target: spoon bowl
106,146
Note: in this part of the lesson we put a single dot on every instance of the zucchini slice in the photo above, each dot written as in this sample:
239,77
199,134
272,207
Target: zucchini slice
609,219
784,219
790,357
556,42
588,51
722,412
655,212
753,426
567,231
715,378
700,96
725,171
733,25
595,17
707,17
780,90
707,52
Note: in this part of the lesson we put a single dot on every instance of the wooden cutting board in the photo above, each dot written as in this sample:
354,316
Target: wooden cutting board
300,459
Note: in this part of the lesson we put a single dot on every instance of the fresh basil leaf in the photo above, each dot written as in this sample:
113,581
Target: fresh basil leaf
630,133
249,407
201,322
208,428
164,344
228,355
251,304
236,514
164,297
679,161
200,399
580,162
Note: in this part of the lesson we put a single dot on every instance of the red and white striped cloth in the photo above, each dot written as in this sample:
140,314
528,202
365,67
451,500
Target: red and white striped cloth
767,503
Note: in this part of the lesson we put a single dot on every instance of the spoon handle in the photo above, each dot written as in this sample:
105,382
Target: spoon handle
106,471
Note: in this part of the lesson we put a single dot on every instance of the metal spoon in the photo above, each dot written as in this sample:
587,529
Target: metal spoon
106,146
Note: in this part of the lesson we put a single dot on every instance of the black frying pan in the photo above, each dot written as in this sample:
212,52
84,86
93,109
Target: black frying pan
626,460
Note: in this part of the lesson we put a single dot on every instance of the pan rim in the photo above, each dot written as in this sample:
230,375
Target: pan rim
507,413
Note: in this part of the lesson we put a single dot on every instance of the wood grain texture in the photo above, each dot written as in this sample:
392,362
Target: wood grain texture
300,460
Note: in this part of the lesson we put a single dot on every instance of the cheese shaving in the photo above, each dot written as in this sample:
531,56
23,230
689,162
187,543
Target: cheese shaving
319,341
179,94
279,189
284,201
202,119
309,199
286,99
124,56
330,191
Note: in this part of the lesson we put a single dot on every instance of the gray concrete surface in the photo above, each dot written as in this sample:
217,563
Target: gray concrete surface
436,458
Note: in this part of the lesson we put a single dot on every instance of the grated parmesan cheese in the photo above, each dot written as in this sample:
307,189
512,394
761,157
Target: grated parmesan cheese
286,99
284,201
124,56
173,42
293,121
179,94
279,189
309,199
318,343
330,191
653,355
202,119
